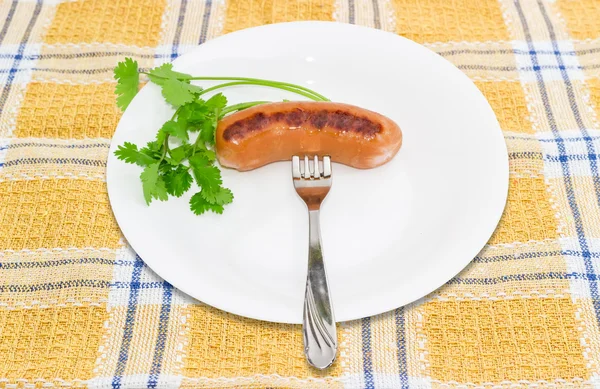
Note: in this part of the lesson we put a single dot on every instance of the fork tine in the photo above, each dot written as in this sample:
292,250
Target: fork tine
296,167
317,174
326,167
307,173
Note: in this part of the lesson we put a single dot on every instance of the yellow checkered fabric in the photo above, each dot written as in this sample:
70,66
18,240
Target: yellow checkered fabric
79,309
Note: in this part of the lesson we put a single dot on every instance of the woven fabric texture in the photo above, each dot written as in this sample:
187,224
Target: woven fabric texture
78,308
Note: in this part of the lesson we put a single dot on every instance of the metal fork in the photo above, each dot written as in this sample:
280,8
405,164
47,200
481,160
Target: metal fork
320,339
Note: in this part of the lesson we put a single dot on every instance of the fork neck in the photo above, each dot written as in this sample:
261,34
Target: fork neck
313,196
314,239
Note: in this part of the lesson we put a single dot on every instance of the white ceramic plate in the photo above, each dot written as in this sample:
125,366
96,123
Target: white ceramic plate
391,235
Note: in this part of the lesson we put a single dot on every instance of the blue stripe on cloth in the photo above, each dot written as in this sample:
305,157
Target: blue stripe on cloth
15,65
457,280
579,253
70,71
524,277
525,154
376,16
129,322
60,262
174,54
161,338
67,71
9,17
517,257
584,276
31,57
509,51
571,157
571,96
401,345
367,353
177,37
54,286
508,278
534,68
561,148
205,21
60,146
61,161
89,54
572,139
135,286
593,285
351,17
96,54
138,285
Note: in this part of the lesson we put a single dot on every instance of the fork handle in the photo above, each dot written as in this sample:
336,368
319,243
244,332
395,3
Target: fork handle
320,338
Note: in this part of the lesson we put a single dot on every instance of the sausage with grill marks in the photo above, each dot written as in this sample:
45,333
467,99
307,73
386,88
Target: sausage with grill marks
274,132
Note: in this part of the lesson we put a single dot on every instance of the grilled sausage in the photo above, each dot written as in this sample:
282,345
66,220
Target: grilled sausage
273,132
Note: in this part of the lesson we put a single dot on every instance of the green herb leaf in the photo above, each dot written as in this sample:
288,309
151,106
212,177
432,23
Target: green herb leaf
176,92
176,129
180,153
209,154
165,71
178,181
129,153
193,112
218,101
161,136
208,132
207,177
160,190
199,160
224,196
218,196
149,179
128,79
194,88
152,149
199,205
202,157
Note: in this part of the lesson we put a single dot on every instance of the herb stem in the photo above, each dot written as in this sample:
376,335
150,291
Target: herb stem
165,149
280,83
166,143
241,106
263,83
176,113
196,143
259,81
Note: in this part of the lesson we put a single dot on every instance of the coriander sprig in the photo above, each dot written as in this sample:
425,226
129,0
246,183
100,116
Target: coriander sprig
173,160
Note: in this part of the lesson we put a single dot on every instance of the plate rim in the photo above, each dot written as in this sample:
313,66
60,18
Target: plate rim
208,300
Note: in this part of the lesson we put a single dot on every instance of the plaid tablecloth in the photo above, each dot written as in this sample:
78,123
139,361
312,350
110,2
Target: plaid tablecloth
79,308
